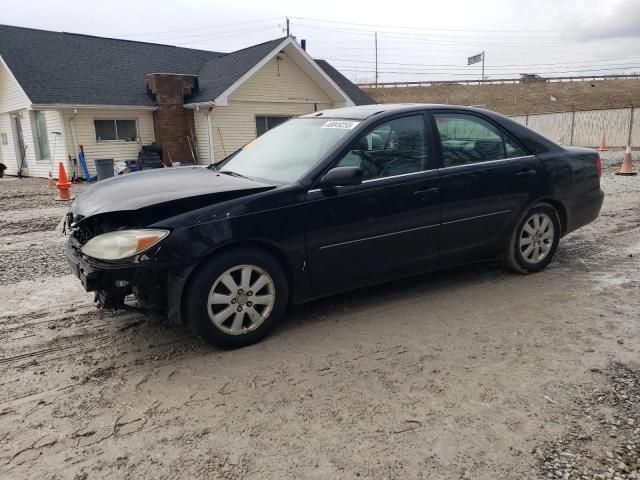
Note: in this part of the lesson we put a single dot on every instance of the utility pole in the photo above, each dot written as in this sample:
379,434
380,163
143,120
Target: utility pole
288,32
375,36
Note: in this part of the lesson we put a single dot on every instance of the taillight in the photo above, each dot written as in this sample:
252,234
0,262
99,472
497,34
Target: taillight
598,164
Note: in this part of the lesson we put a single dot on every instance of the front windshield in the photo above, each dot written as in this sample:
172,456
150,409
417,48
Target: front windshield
285,153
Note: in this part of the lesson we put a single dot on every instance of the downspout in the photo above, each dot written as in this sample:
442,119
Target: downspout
67,160
74,137
209,135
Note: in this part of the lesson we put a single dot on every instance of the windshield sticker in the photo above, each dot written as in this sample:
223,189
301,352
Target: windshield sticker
342,124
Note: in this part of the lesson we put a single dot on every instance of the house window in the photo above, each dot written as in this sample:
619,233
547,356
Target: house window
264,123
40,135
111,130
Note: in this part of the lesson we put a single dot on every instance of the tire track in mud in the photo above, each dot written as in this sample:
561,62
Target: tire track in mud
125,328
18,227
79,351
82,331
94,342
23,201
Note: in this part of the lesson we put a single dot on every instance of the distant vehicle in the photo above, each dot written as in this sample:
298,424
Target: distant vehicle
531,77
327,202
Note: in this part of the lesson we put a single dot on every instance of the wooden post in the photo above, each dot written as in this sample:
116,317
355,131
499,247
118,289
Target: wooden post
573,122
630,125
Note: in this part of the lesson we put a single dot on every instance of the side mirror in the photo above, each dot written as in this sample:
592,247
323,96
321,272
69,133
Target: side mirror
342,177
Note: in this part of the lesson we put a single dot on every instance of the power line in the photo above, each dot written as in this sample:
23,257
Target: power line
475,74
379,26
191,29
206,36
499,67
417,36
420,38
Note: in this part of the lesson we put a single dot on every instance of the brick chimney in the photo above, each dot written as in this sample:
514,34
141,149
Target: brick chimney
173,124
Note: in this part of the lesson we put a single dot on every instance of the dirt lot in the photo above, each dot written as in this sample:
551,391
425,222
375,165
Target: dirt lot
470,373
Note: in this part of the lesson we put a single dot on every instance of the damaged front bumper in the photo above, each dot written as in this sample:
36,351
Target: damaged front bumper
112,282
154,287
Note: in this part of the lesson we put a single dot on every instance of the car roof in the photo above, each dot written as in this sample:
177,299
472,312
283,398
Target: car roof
534,141
363,112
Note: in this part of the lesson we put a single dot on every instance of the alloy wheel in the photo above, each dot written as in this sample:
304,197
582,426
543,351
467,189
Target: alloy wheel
536,237
241,299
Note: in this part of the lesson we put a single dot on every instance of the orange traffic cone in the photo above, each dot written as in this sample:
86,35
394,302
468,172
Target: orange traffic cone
627,165
63,185
51,182
603,144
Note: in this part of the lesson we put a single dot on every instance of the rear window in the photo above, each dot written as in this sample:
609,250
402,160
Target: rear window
466,139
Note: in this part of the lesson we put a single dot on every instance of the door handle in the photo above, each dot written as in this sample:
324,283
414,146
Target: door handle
427,192
527,173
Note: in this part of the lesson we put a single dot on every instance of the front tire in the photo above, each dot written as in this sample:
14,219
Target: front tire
236,298
534,240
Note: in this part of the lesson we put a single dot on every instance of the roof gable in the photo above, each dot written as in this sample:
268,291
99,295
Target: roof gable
216,88
278,79
219,74
12,96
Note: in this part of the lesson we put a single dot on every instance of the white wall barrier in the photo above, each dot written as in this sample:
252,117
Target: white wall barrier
585,128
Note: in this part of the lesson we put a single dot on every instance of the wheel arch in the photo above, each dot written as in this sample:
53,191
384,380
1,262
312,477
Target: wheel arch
267,247
558,207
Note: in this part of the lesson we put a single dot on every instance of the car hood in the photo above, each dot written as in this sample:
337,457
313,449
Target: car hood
139,190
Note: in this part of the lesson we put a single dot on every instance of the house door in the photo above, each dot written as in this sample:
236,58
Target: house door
18,140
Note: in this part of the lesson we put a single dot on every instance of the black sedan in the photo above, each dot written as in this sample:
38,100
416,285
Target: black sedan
328,202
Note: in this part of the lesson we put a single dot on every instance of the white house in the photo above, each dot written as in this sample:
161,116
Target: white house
62,90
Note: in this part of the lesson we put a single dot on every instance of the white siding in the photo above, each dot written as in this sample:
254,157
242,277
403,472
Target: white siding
12,99
41,168
202,135
279,88
235,125
280,80
9,154
36,168
8,151
118,150
11,95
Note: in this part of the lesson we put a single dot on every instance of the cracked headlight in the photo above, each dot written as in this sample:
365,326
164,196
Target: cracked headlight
122,243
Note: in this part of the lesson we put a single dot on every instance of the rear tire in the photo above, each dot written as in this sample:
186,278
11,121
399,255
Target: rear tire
534,240
236,298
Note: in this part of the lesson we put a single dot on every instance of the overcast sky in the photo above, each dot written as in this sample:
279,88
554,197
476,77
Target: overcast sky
422,40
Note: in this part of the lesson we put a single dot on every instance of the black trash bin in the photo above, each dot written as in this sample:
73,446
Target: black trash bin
104,168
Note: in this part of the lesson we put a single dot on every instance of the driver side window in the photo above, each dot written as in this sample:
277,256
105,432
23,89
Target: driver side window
393,148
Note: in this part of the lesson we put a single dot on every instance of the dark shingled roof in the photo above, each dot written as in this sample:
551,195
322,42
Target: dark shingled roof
347,86
68,68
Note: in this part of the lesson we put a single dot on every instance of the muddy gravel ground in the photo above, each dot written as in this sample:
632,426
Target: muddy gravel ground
472,373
